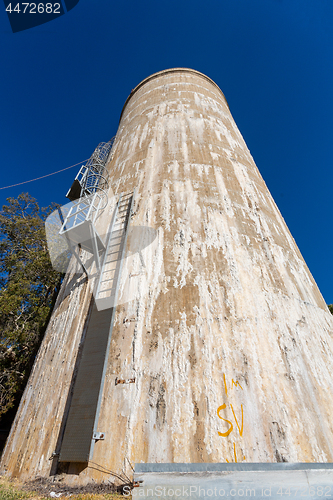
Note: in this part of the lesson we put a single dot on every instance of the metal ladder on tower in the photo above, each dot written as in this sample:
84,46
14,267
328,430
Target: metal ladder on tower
108,283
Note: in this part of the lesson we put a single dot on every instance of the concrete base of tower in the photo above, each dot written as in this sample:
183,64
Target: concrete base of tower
206,481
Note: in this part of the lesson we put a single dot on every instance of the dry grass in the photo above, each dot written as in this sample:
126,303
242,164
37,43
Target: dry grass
15,490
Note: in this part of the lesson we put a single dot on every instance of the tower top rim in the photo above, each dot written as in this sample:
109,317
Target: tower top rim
165,71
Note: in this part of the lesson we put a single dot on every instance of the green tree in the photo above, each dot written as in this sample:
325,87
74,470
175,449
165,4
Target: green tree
330,306
28,290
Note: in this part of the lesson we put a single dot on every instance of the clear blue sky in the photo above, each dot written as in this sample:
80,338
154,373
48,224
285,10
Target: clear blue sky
64,83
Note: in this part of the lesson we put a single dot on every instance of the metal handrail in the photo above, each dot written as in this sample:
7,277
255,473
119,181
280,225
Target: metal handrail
89,211
96,177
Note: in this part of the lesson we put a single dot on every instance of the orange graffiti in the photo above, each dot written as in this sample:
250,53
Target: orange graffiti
240,430
234,455
225,384
223,407
224,434
235,383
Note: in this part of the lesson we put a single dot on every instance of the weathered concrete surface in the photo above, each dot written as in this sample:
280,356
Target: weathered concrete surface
206,481
227,335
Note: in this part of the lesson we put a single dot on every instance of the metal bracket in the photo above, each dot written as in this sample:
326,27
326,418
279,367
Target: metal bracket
137,484
98,436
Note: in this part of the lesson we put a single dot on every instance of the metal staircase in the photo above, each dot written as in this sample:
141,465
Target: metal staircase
79,226
93,176
89,196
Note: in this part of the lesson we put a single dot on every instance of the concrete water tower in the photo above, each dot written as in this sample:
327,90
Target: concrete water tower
218,345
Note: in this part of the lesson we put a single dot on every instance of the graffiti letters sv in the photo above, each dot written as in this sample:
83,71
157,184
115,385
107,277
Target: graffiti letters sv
239,423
